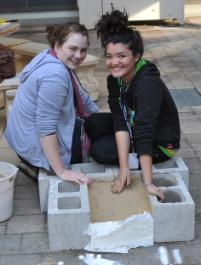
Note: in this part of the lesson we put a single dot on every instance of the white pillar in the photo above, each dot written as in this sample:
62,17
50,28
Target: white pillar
172,11
90,12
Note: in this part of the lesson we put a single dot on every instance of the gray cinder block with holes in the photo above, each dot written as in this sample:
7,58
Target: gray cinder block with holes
68,215
95,171
43,187
174,217
168,180
174,165
92,170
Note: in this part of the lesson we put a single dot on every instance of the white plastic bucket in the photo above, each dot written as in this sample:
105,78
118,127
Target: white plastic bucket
8,173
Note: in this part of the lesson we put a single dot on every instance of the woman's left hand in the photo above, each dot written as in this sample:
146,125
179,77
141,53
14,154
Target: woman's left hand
124,180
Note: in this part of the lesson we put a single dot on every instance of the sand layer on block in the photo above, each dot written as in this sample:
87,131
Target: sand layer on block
105,206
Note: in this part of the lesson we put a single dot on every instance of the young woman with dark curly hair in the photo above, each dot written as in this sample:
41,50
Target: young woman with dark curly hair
143,115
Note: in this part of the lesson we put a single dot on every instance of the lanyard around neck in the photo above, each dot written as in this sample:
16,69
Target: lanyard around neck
123,90
125,111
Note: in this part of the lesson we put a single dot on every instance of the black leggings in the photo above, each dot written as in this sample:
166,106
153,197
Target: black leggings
99,128
76,149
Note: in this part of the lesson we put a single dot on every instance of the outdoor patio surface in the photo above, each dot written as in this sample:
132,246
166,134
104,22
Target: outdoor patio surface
177,52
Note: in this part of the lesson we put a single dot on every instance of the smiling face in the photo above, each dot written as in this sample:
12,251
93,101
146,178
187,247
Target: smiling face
120,61
73,51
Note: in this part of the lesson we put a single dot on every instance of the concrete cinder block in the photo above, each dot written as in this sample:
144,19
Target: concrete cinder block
173,165
168,180
92,170
174,218
43,187
68,215
88,168
119,236
95,171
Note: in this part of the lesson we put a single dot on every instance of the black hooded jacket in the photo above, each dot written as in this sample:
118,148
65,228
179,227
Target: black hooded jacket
156,119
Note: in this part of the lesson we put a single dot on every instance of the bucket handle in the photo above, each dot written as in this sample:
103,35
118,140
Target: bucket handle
14,174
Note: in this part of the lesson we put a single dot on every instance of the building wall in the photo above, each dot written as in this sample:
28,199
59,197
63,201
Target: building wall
89,14
192,8
39,12
137,10
9,6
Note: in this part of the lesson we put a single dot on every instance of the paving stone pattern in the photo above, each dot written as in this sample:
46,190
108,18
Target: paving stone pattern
186,97
177,52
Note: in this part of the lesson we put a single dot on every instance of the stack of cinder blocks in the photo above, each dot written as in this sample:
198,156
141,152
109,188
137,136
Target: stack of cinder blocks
69,214
92,170
174,217
67,206
174,165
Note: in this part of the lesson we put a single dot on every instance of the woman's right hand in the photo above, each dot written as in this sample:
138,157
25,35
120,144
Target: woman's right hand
123,180
74,176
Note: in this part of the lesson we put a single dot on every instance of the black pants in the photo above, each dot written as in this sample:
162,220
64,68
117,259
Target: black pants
76,149
99,128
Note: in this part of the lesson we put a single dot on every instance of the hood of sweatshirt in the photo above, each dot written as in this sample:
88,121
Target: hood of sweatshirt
39,60
148,69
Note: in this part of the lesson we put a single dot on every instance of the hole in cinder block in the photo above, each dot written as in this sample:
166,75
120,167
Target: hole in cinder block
68,187
172,197
167,164
92,168
164,181
69,203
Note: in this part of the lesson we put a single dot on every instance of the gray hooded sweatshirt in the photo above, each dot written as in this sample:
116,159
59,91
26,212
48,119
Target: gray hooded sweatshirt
43,105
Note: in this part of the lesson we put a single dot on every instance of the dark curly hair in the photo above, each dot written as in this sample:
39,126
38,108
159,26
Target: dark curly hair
58,33
113,28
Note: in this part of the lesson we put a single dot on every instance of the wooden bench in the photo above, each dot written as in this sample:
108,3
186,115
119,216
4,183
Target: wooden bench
9,27
12,42
5,86
10,83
